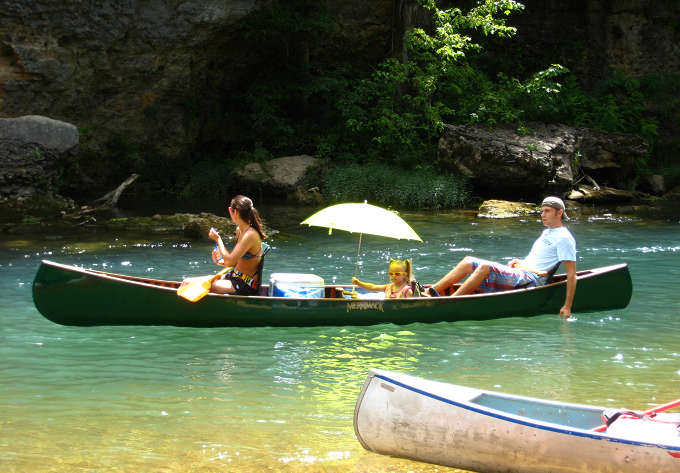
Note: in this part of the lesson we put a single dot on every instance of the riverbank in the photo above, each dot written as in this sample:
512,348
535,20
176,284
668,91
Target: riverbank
195,226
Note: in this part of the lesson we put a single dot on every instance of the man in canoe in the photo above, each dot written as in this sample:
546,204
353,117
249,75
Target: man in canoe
555,245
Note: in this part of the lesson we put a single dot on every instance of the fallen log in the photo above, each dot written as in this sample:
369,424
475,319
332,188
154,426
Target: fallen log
108,201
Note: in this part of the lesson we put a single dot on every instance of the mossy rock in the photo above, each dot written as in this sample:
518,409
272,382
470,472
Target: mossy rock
193,226
506,209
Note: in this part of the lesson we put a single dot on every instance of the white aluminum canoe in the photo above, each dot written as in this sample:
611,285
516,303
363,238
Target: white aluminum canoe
486,431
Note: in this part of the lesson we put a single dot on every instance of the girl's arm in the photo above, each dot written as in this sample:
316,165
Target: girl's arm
368,285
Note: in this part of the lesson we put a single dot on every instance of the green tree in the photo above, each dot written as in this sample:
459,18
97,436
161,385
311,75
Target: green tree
398,113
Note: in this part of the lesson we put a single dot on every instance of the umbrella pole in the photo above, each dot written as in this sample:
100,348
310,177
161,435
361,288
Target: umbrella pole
356,263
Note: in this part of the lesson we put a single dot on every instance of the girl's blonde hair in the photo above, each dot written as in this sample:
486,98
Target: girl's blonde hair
406,263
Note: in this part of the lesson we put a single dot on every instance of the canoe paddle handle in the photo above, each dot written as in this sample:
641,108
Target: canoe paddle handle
654,410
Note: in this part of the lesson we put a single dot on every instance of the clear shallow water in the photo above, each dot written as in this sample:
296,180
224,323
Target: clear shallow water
281,399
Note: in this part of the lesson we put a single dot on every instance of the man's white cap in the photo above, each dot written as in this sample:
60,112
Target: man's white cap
555,203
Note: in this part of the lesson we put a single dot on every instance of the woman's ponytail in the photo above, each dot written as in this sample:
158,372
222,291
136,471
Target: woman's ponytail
248,212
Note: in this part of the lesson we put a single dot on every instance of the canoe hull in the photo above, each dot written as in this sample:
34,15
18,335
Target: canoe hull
70,295
440,423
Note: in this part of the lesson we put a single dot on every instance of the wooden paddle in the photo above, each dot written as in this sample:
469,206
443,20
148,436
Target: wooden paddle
196,289
654,410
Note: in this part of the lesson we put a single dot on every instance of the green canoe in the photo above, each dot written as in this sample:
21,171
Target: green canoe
70,295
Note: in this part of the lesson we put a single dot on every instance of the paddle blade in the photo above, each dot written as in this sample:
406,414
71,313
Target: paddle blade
195,290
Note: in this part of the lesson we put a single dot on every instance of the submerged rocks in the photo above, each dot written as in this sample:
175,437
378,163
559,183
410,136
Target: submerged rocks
192,226
616,208
180,225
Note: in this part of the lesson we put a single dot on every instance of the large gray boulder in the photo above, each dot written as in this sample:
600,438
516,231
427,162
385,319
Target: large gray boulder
549,160
282,176
55,135
31,148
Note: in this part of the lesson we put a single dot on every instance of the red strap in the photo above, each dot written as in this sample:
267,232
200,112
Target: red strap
654,410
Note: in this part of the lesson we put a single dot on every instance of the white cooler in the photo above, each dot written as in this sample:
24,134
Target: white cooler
307,286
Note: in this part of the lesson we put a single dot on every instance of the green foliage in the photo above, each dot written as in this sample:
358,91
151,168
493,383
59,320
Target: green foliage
508,100
209,180
672,176
385,123
618,105
259,155
390,186
107,164
398,113
30,219
285,98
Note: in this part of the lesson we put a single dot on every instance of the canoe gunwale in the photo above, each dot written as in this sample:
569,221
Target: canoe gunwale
469,405
173,285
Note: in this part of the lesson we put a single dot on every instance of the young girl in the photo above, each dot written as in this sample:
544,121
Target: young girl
400,275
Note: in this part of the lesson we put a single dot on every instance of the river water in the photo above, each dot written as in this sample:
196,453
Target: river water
167,399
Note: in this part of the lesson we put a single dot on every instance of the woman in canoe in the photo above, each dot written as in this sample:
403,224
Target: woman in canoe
247,254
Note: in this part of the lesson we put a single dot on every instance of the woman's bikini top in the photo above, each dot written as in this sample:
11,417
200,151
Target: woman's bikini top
249,255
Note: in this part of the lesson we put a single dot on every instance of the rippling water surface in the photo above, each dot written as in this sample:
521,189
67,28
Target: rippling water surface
282,399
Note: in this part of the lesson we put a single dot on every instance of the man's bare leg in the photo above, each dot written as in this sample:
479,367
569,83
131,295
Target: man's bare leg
462,269
476,278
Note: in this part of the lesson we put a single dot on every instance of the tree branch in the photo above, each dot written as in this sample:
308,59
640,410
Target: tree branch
110,199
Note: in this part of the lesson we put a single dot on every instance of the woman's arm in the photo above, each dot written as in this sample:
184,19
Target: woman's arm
248,240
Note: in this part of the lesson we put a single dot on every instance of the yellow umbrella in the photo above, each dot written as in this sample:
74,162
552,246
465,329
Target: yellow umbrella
362,218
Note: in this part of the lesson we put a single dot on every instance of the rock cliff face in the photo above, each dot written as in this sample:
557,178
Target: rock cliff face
594,37
153,69
120,66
